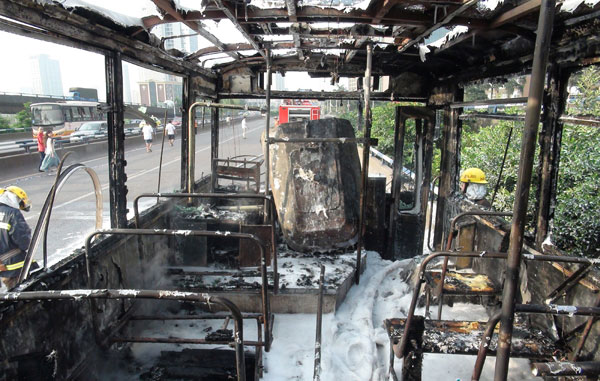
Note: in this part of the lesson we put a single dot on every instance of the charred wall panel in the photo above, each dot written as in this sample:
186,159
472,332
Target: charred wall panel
63,329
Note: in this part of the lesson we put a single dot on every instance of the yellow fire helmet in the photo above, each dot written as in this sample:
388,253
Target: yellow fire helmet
24,203
473,175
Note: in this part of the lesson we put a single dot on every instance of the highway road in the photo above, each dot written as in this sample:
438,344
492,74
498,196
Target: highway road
73,216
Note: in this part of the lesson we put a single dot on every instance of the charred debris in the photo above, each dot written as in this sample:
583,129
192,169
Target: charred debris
248,252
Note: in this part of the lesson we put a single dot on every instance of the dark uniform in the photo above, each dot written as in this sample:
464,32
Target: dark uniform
15,236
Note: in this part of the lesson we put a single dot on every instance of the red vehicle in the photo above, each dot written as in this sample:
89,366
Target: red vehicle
298,111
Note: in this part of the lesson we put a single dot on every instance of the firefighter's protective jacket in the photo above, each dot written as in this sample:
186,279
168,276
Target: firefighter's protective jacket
14,234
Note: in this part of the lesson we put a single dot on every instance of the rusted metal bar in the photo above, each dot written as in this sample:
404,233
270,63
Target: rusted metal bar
421,278
451,235
244,274
116,140
532,119
447,19
179,340
268,123
93,294
214,145
215,316
323,95
365,161
566,368
185,233
187,98
321,140
482,115
568,283
486,339
317,368
550,142
588,327
431,198
490,102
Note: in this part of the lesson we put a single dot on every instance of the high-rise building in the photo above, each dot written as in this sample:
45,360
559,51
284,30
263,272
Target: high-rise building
155,93
45,74
279,81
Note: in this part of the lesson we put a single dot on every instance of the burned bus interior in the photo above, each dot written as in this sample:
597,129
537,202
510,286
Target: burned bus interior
227,246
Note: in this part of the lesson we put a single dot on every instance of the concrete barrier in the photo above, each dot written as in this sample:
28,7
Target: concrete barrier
27,164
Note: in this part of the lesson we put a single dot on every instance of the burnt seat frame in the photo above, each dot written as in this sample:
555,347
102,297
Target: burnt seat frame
239,170
560,290
401,349
266,317
269,220
93,294
451,236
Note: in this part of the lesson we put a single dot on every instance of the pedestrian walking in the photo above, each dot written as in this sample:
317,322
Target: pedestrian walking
41,146
244,127
51,158
148,132
170,132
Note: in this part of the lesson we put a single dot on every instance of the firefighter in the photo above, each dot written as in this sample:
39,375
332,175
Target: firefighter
473,186
15,234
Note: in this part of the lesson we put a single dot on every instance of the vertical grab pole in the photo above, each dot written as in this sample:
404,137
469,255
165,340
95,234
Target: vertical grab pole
191,148
365,161
532,119
267,125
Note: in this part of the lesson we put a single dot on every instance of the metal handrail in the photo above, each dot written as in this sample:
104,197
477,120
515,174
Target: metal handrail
430,207
93,294
199,233
44,218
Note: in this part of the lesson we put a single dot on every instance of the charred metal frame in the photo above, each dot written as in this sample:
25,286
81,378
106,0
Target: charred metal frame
116,141
420,279
451,235
550,309
198,233
424,125
365,161
191,154
532,117
93,294
269,219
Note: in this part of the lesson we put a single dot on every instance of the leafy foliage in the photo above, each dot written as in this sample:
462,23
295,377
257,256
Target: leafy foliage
23,117
4,124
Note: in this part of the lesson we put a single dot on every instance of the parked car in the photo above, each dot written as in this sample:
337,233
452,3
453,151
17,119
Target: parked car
176,121
89,129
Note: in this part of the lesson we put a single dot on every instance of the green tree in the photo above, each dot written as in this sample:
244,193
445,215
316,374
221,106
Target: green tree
23,117
4,124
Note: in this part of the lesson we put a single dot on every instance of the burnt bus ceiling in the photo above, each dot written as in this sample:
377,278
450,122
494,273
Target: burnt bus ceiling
329,37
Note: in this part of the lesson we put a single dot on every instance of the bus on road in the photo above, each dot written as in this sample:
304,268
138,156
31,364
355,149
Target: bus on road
64,117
